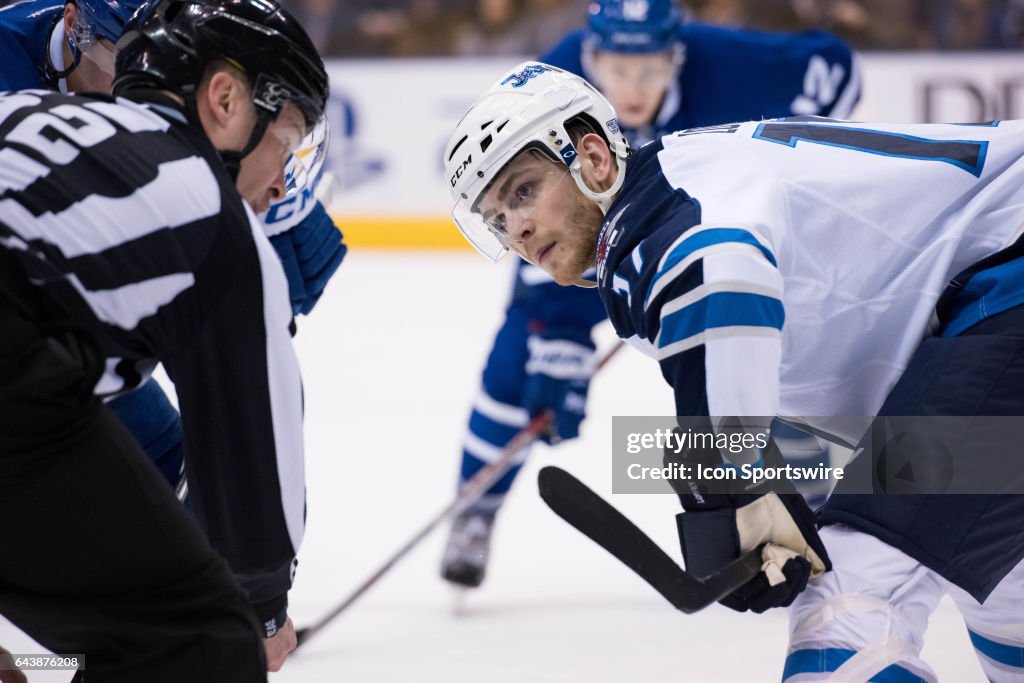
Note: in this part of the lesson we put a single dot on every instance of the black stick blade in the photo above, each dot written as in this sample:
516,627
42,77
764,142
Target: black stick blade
593,516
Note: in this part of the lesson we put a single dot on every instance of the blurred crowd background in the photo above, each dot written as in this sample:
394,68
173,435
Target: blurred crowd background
425,28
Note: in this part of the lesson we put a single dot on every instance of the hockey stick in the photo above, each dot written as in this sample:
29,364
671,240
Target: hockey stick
472,490
590,514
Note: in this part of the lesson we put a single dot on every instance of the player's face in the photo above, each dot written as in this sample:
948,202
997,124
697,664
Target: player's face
95,70
634,84
535,206
261,175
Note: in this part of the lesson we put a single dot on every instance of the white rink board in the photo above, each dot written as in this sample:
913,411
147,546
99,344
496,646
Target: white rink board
391,118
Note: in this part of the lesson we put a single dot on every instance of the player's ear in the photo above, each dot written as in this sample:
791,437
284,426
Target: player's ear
70,14
224,97
597,165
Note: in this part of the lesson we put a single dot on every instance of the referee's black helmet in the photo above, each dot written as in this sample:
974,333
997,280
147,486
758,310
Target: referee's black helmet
168,44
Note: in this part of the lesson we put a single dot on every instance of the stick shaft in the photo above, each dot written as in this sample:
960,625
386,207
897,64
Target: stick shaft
471,491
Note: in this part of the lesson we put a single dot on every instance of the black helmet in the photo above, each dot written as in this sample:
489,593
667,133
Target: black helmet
168,44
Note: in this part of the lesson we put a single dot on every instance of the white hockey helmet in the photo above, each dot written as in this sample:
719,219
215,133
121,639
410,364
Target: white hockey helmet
527,109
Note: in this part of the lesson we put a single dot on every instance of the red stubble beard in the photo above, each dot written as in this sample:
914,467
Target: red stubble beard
575,250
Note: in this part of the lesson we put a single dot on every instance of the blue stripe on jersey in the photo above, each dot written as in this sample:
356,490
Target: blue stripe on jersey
968,155
987,293
829,659
721,309
1010,655
706,238
490,431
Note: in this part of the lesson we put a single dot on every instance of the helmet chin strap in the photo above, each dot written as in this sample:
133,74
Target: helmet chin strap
50,70
233,165
233,158
602,199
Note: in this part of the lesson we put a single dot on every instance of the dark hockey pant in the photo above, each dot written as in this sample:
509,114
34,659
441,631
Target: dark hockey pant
972,541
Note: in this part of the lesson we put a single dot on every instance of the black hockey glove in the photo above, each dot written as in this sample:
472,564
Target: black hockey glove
792,551
717,527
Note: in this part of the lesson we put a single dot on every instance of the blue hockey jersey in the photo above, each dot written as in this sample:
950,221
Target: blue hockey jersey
739,75
26,37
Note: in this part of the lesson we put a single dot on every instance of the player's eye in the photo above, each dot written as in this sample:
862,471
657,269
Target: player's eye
524,191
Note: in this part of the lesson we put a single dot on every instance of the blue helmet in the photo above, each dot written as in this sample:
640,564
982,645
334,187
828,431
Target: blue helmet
634,26
104,18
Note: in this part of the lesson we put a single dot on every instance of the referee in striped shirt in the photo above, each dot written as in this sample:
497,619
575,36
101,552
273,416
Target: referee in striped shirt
124,242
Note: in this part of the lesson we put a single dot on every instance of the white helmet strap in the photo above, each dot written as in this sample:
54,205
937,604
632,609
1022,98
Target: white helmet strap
602,199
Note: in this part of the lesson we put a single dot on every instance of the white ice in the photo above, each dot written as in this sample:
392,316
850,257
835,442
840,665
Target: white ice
391,360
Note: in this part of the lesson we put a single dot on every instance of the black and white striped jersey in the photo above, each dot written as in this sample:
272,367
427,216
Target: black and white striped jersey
124,215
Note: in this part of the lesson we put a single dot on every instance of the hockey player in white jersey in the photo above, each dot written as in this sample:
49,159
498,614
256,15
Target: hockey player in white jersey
794,268
663,74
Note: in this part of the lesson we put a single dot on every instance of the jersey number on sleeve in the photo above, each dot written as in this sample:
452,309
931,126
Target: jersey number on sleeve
966,154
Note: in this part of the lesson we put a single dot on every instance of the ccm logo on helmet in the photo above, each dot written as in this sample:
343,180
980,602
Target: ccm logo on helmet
518,80
459,171
271,96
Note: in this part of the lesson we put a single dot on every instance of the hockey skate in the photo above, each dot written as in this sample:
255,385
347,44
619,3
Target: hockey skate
465,556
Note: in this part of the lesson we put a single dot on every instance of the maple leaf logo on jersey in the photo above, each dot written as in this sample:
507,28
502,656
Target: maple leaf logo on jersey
635,10
608,238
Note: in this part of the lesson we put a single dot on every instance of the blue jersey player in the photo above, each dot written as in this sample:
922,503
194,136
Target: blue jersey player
661,75
55,46
70,47
776,268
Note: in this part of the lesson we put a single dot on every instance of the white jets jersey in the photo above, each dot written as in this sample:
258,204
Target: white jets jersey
804,259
